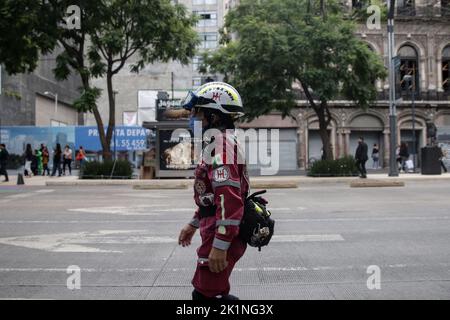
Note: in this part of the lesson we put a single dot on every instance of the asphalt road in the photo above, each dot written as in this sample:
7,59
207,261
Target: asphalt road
125,243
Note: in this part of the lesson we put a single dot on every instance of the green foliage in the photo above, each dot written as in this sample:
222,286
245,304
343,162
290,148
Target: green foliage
87,100
334,168
103,170
281,44
27,28
111,32
12,94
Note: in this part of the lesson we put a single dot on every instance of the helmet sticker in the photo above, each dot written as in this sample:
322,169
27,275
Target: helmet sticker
221,174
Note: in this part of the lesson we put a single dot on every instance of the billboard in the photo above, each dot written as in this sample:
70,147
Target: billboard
170,110
127,138
16,138
124,138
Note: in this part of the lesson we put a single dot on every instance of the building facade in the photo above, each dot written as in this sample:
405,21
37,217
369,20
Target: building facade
422,43
136,93
29,99
422,33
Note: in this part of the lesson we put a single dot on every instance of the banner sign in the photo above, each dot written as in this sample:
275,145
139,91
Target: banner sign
170,110
126,138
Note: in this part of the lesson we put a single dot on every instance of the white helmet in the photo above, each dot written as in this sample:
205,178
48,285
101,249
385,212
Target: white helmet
215,95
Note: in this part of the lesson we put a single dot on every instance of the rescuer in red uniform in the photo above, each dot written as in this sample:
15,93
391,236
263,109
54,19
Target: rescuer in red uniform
220,188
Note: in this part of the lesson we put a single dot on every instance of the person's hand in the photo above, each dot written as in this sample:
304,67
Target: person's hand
217,260
186,235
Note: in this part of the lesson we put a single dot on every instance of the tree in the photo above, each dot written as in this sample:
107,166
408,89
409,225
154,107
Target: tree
283,43
24,35
117,30
110,33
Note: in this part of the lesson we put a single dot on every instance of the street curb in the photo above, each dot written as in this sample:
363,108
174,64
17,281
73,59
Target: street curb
255,182
161,186
274,185
376,184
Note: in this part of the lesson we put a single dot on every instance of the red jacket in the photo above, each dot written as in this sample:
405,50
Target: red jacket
222,183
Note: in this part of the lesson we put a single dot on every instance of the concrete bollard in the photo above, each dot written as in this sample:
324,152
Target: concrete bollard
20,179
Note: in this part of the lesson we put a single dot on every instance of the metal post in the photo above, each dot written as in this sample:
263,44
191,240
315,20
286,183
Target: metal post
393,169
56,104
413,94
171,74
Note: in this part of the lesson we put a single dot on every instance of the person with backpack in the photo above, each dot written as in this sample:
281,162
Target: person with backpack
220,189
4,156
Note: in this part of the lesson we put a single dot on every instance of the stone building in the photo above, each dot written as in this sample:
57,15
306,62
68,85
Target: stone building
422,43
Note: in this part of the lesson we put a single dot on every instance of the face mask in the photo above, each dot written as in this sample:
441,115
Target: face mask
192,120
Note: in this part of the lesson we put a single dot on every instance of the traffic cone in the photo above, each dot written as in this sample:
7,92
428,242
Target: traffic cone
20,179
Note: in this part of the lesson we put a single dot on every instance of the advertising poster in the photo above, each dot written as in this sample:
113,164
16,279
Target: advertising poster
170,110
176,154
125,139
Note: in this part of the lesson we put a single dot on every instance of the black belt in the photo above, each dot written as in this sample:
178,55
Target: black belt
205,212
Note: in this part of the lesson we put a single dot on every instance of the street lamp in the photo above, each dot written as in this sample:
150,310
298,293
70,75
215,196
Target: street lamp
55,95
411,83
393,169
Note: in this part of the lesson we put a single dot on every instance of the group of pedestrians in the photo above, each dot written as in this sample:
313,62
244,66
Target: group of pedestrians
36,162
402,152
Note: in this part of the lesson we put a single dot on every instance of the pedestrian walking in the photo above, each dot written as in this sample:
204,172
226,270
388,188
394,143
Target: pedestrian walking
57,160
4,156
376,156
220,189
45,160
81,156
28,156
442,157
361,157
38,153
67,160
404,155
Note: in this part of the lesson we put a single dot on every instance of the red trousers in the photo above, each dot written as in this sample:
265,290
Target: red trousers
208,283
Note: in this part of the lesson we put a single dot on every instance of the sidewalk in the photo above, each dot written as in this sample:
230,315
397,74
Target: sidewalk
267,182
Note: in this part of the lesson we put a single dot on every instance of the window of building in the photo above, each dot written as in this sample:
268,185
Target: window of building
409,65
445,8
203,2
406,7
196,62
208,40
446,69
206,18
196,82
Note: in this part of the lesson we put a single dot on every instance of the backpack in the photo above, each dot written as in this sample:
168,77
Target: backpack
257,227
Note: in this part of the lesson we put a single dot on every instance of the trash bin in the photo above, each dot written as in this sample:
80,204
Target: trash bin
430,161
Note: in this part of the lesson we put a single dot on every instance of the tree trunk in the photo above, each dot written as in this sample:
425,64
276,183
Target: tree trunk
112,114
326,142
323,130
106,150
